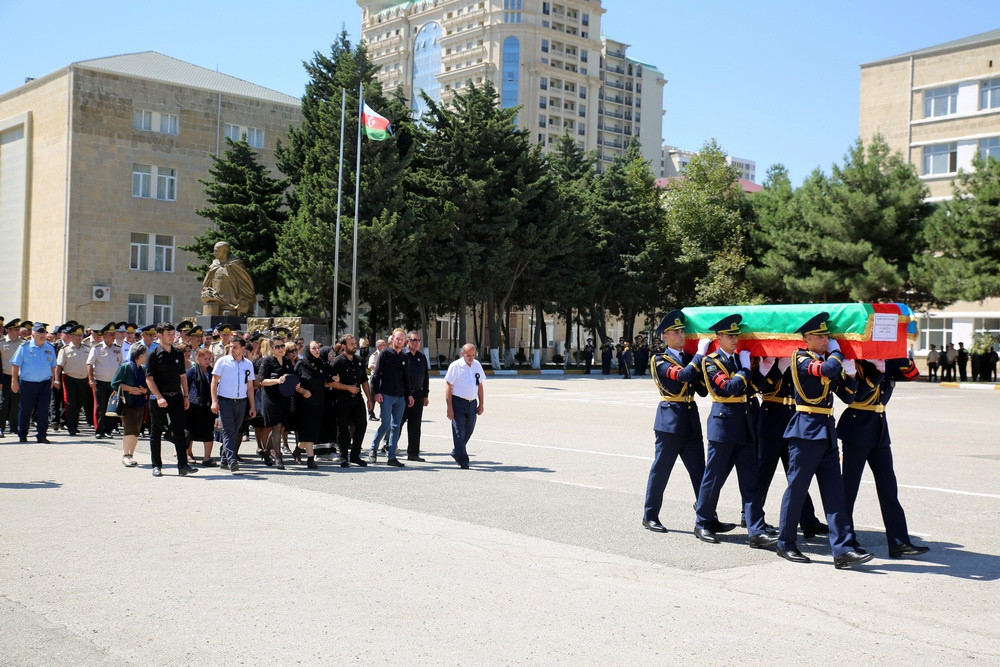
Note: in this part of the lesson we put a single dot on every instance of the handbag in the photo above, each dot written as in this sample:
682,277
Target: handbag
116,404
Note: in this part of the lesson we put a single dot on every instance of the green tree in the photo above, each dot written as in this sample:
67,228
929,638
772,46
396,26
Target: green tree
851,236
246,205
706,237
310,159
963,236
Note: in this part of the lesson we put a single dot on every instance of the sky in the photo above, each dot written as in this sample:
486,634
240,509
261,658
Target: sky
774,82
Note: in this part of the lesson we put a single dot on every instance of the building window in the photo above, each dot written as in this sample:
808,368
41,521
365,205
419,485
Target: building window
139,253
231,132
426,66
940,101
542,102
544,83
582,110
583,55
142,178
989,94
163,253
989,148
545,8
989,325
168,123
545,46
137,309
511,72
142,120
583,92
935,331
940,159
585,19
541,121
166,183
255,137
163,310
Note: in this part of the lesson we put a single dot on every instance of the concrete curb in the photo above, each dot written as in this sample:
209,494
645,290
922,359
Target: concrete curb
970,385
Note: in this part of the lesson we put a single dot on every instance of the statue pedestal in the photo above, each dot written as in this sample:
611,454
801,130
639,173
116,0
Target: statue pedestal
210,322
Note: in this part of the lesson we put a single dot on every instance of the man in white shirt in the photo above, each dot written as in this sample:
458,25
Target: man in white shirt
463,394
232,386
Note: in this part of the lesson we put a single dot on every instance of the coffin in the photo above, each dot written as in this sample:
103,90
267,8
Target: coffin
863,330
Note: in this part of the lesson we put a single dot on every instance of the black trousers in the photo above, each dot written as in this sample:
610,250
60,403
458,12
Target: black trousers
75,393
10,406
104,424
412,417
57,415
351,413
175,431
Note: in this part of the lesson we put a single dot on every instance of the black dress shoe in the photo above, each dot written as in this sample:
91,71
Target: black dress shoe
762,541
717,526
359,462
395,463
44,441
904,550
705,535
416,458
344,463
653,525
793,555
844,561
22,440
813,531
100,436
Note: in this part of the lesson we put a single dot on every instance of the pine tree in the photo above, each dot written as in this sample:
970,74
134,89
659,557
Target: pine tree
246,205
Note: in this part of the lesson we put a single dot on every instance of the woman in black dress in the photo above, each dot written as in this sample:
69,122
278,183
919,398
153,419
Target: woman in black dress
328,431
314,375
273,371
200,420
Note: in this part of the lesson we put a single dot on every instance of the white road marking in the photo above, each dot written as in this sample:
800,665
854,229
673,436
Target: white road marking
650,458
556,481
881,528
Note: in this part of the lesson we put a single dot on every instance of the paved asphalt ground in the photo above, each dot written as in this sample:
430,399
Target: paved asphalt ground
535,555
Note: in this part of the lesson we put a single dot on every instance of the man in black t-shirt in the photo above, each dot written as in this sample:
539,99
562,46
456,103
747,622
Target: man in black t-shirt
168,397
351,412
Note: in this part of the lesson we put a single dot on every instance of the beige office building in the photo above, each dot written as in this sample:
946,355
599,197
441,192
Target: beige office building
99,170
938,107
548,57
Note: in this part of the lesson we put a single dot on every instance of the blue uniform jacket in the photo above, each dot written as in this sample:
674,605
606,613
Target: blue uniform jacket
677,378
728,421
772,417
874,389
815,382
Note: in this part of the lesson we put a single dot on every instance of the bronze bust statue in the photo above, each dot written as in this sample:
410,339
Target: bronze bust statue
228,288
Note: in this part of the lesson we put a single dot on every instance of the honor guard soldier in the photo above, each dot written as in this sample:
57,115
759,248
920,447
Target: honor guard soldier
677,426
71,376
774,382
32,370
731,436
102,362
817,372
865,433
9,401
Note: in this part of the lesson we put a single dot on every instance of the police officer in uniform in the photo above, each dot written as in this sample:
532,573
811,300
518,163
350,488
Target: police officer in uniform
102,362
773,380
10,403
71,376
731,436
677,426
32,370
817,372
865,432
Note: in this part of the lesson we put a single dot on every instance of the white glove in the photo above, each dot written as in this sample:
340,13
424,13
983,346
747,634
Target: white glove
850,368
784,364
766,364
832,346
879,364
745,359
703,346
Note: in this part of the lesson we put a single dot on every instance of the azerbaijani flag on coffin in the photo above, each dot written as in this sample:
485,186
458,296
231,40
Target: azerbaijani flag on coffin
376,127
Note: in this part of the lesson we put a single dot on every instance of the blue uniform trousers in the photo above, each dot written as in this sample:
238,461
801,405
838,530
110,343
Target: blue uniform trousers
668,447
35,397
879,459
820,458
722,457
10,405
769,451
462,427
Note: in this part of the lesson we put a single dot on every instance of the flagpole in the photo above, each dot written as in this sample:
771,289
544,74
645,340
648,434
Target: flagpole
357,196
336,257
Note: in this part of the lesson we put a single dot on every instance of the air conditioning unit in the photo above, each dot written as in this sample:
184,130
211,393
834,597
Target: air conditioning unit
100,293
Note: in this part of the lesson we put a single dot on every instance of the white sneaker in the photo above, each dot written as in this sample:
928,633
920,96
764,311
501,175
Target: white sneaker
132,462
126,461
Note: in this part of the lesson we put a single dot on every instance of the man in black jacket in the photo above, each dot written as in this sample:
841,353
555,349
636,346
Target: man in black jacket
391,388
418,370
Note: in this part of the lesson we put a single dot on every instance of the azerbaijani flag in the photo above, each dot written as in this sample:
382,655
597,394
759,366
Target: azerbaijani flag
376,127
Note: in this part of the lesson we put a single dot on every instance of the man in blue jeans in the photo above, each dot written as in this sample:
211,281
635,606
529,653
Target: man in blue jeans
32,370
232,386
390,385
463,392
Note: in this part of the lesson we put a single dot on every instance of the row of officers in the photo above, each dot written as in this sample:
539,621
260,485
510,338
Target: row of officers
78,365
766,410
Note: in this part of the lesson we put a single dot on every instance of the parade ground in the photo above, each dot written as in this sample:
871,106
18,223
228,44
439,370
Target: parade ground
535,555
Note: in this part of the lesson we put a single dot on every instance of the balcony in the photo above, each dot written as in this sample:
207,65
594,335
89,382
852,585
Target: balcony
613,84
611,143
612,114
616,69
616,54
